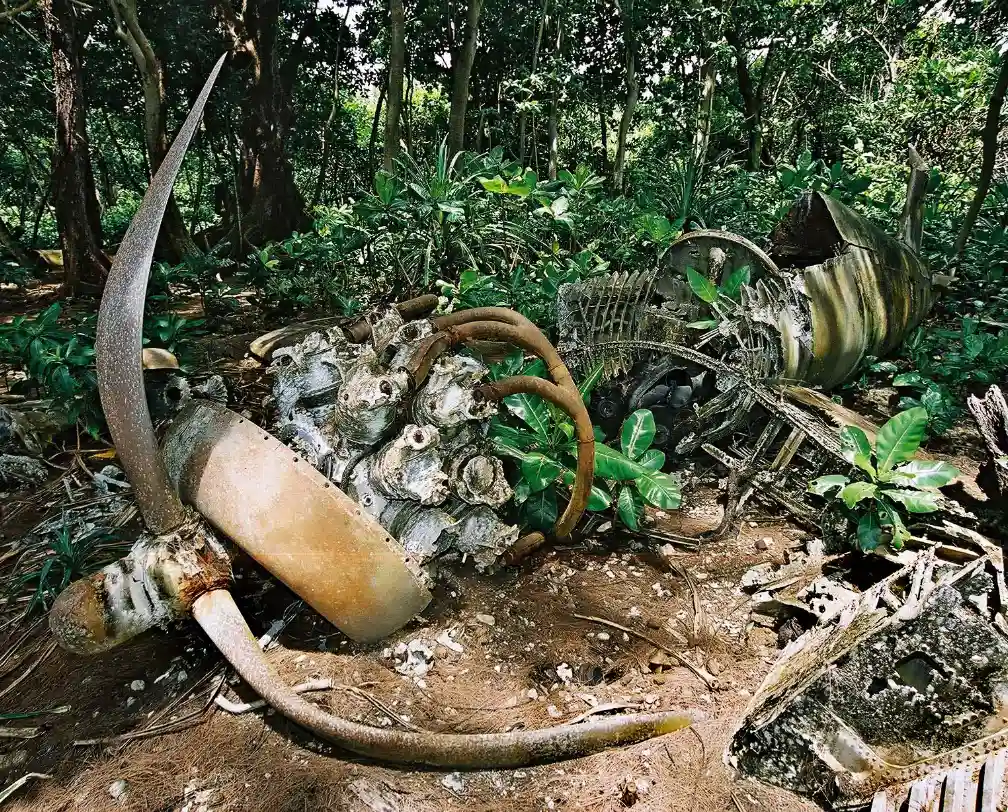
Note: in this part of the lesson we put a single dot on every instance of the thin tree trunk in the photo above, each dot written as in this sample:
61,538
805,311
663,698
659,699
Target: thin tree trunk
12,245
174,235
374,127
604,132
462,69
197,200
523,115
751,101
701,138
989,139
397,63
272,203
554,113
77,214
407,113
632,90
43,203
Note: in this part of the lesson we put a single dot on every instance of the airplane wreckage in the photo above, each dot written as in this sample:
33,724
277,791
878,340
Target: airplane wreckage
378,466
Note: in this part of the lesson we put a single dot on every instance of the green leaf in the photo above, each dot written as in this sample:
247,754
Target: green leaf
856,491
539,470
924,473
914,501
736,279
868,531
899,439
856,449
611,464
660,490
532,411
638,432
890,518
822,485
701,285
496,184
627,507
598,500
540,510
591,381
703,324
652,460
911,379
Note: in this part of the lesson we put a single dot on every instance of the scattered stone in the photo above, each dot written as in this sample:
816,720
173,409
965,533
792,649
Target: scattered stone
117,789
137,685
414,658
634,612
486,620
650,699
553,711
603,636
533,694
715,666
565,673
445,639
764,543
632,789
454,782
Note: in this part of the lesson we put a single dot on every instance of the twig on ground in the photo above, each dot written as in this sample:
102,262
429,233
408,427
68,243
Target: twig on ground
238,708
24,779
29,669
709,679
609,706
18,732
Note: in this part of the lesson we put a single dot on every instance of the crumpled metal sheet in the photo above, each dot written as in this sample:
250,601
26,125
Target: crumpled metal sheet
909,680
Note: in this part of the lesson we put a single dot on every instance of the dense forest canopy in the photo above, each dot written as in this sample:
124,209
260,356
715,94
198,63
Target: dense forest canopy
355,151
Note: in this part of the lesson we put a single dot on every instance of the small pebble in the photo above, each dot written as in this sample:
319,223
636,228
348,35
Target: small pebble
117,789
486,620
602,636
764,543
137,685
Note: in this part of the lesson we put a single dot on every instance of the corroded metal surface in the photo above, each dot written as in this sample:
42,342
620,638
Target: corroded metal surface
908,679
118,340
293,521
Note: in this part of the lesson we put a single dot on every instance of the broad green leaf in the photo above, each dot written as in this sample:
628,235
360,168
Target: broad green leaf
539,470
856,449
599,498
660,490
653,459
924,473
532,411
701,285
868,531
899,439
912,379
822,485
889,516
497,185
591,381
540,510
637,434
736,279
914,501
611,464
856,491
627,507
598,433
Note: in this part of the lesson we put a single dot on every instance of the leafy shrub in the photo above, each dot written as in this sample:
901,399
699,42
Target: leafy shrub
895,480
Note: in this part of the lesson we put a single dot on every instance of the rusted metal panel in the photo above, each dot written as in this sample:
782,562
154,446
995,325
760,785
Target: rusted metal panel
293,521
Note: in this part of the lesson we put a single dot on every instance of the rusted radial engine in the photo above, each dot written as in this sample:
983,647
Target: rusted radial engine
373,409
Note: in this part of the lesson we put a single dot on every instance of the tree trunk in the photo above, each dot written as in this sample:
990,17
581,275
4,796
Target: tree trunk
989,139
523,115
397,63
911,224
632,89
12,245
174,236
272,204
326,142
374,127
554,112
701,138
462,68
76,202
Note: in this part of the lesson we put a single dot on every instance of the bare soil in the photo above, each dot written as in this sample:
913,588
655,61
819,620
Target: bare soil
504,677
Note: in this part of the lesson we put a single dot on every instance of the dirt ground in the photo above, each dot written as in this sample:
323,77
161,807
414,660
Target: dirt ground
504,676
